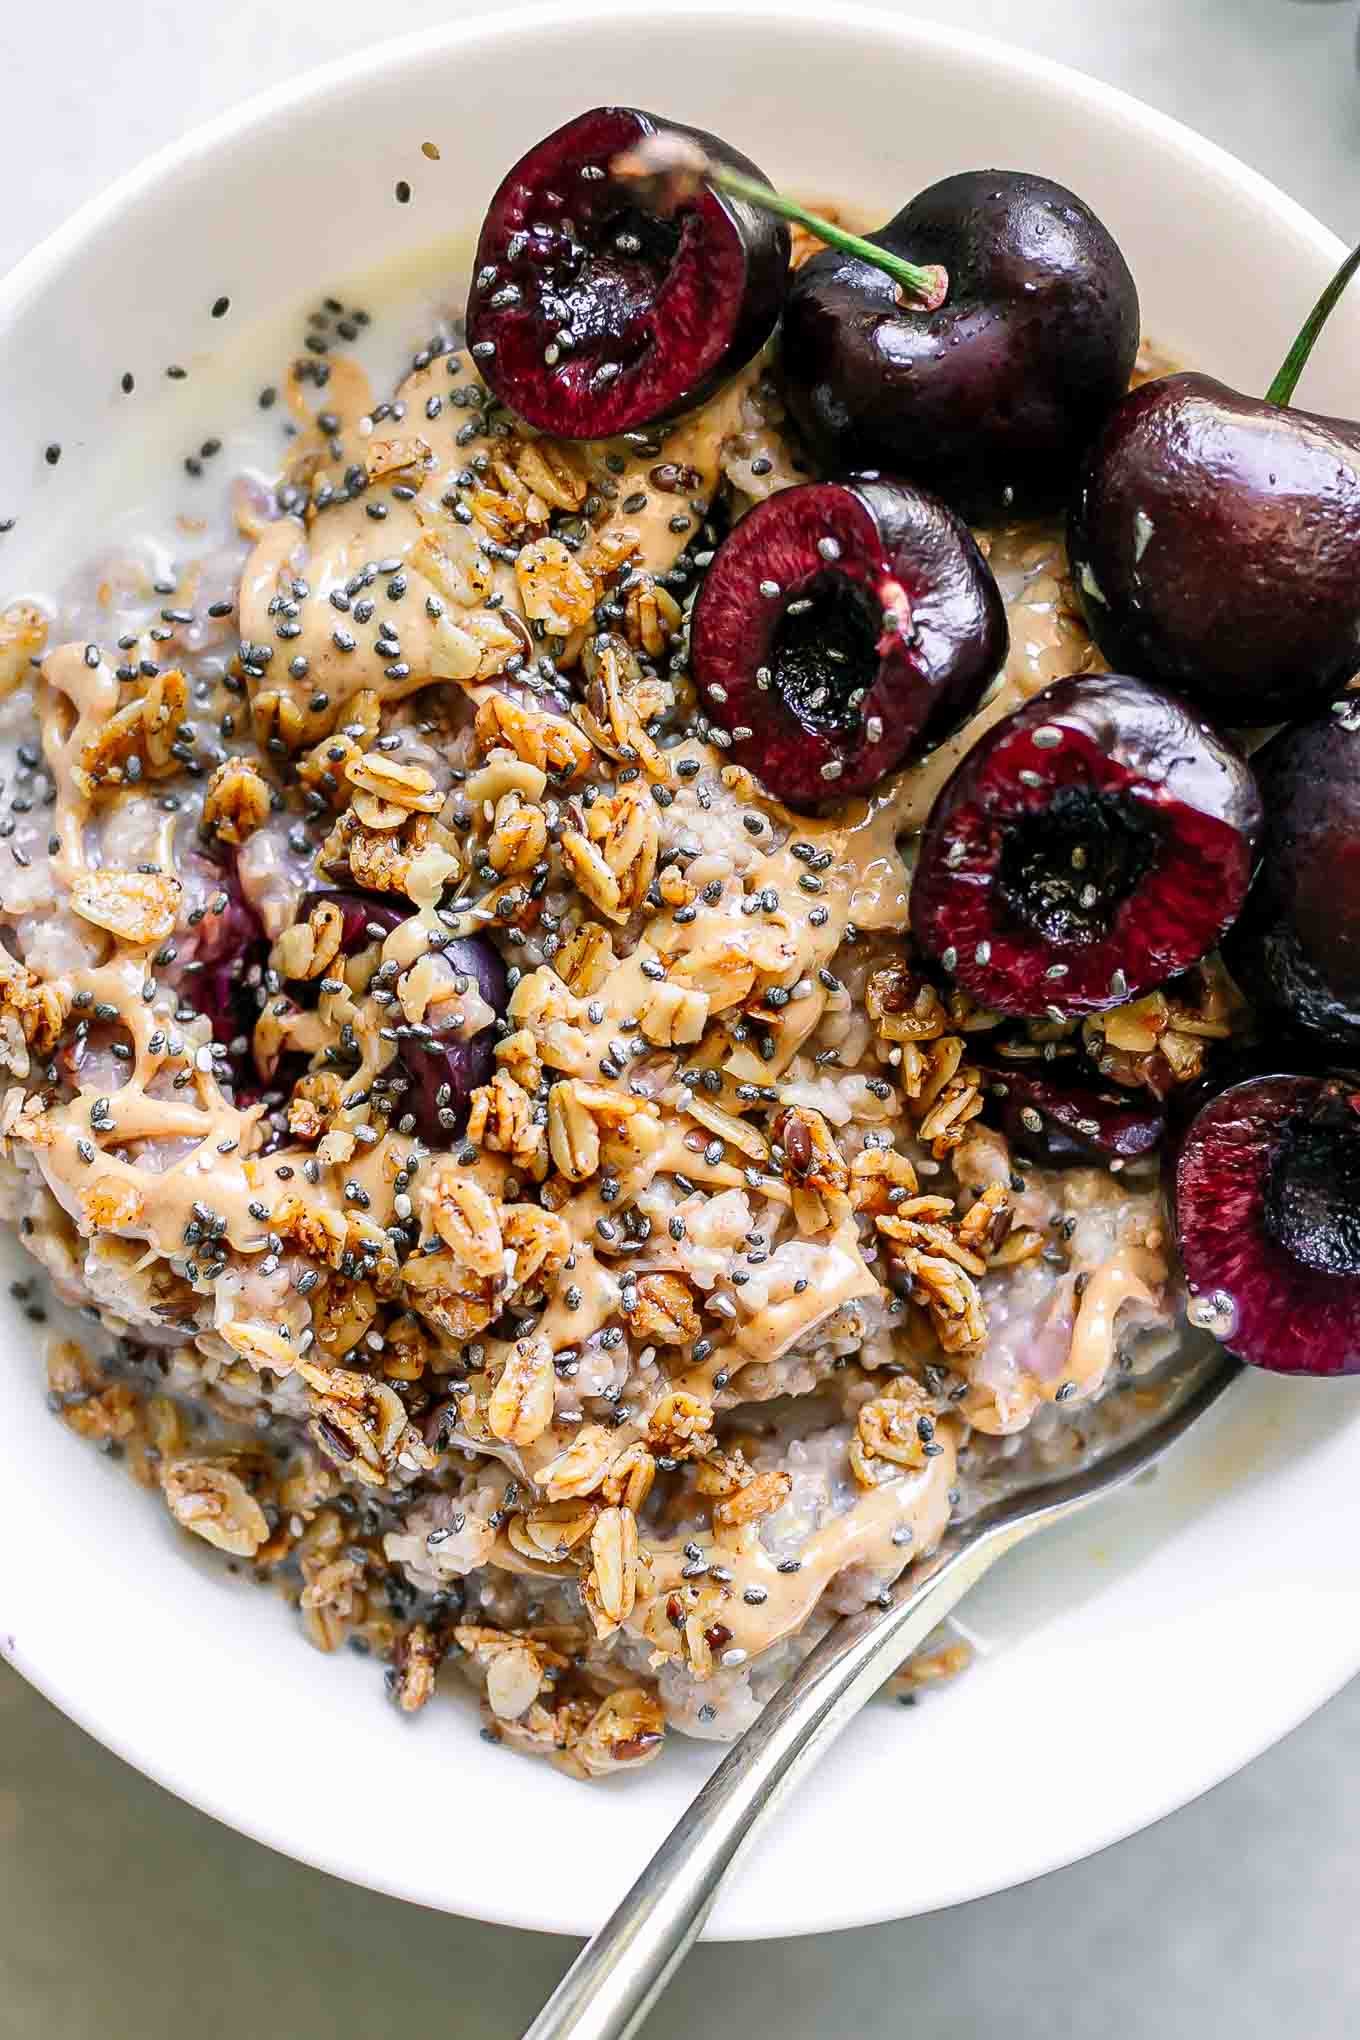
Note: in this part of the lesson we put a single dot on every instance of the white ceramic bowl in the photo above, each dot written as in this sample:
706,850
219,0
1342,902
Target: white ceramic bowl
1124,1667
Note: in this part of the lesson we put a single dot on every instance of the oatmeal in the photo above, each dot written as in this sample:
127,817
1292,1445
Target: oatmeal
531,1201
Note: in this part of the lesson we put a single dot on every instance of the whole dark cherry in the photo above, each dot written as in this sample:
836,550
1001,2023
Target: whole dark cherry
1092,844
1213,540
591,315
992,397
842,627
1296,949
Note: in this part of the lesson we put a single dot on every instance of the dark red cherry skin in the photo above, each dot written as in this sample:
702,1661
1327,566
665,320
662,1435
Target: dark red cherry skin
904,630
443,1074
233,950
1059,1121
1266,1199
992,399
1091,845
1213,540
1296,949
657,313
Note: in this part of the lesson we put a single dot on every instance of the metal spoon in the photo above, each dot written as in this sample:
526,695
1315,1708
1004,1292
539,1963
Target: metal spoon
620,1974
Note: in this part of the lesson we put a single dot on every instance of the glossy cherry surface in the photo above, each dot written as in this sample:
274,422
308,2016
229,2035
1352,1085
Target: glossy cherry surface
590,315
843,627
992,398
1092,844
1266,1192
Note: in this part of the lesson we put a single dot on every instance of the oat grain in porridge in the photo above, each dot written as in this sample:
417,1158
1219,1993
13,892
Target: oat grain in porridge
533,1197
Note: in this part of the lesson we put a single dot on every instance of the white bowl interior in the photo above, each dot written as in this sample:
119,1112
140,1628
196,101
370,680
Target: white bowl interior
1125,1666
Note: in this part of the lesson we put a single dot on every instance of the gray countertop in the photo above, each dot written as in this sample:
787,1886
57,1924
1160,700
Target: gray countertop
122,1911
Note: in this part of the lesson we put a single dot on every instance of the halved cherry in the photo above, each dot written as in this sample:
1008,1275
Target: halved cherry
1058,1120
1091,845
1267,1207
843,626
590,315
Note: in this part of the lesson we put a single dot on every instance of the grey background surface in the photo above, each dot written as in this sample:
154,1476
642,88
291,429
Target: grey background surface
123,1912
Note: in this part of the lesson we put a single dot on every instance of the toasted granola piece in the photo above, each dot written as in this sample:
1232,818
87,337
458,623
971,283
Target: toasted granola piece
548,741
408,1350
409,788
904,1007
501,1117
332,1600
987,1222
466,1219
1162,1040
545,467
359,1422
672,1015
950,1294
343,1315
518,1056
39,1006
138,907
619,702
144,730
236,802
553,1530
516,1666
665,1313
416,1660
944,1091
652,616
580,1469
585,958
447,1296
625,1730
23,638
931,1667
813,1167
630,1477
538,1242
880,1178
209,1497
612,854
476,647
610,1586
761,1494
892,1433
521,1405
316,1098
681,1425
402,457
110,1204
573,1137
553,588
519,834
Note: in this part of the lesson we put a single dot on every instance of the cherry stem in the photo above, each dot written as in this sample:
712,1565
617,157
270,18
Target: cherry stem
1281,391
929,282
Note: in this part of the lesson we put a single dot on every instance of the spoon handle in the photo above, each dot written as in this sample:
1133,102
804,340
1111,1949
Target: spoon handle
619,1975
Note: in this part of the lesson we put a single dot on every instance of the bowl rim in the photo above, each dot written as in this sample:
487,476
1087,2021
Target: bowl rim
27,278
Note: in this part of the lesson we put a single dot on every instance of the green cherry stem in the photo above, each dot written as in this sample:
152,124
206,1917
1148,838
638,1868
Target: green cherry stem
667,169
928,282
1281,391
